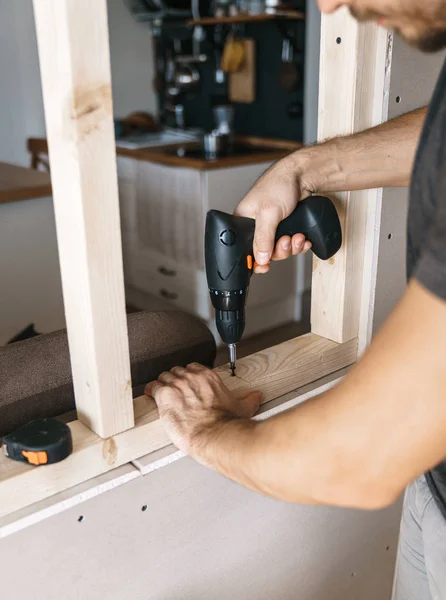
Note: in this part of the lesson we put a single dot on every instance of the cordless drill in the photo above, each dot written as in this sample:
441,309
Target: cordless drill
230,262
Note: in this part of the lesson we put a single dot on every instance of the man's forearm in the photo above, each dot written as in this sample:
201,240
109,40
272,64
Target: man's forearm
362,442
379,157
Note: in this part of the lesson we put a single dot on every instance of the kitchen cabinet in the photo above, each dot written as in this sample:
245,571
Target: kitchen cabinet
163,211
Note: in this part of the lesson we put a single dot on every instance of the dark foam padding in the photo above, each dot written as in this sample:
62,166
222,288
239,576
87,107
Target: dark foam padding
35,374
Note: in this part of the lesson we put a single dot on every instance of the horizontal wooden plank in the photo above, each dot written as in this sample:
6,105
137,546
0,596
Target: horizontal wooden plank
275,372
164,457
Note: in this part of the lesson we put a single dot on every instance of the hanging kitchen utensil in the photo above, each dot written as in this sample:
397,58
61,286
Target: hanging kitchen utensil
242,84
158,81
289,74
233,53
187,77
220,75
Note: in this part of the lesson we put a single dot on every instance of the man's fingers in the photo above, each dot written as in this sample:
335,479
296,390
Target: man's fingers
282,249
261,270
152,388
195,368
178,371
307,246
266,225
298,242
249,404
166,378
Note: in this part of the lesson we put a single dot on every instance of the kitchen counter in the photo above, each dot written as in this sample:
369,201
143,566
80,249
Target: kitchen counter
20,183
263,151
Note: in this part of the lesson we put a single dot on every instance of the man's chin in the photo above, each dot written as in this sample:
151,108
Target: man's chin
430,41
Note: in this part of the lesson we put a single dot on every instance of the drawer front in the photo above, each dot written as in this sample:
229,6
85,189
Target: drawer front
280,282
170,213
126,168
127,205
155,264
168,281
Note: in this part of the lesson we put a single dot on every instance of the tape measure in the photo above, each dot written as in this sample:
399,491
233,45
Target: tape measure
40,442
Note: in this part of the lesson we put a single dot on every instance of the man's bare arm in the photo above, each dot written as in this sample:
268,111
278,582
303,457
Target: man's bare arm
357,445
379,157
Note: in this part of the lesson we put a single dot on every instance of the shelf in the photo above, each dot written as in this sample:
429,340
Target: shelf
294,15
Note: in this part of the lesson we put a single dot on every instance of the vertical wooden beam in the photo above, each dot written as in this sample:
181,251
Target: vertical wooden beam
75,69
351,99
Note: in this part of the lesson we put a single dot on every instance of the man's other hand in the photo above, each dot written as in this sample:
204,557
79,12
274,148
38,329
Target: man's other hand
195,406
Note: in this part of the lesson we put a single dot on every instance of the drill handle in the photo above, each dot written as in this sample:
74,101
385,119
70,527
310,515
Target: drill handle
317,219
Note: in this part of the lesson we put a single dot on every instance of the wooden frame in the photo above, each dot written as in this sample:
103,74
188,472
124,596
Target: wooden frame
75,70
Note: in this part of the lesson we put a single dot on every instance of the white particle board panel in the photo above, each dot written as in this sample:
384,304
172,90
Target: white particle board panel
184,532
69,498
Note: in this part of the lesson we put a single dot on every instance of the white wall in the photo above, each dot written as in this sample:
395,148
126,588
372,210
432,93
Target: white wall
21,109
413,78
131,61
312,55
202,537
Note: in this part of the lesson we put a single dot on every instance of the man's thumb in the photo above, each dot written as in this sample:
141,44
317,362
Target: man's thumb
250,403
265,233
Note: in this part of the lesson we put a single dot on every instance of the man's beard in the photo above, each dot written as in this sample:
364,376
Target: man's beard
429,41
432,41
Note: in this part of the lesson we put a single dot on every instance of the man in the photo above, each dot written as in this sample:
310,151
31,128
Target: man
361,443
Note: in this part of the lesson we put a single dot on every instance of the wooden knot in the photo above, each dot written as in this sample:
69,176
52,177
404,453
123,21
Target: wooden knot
89,107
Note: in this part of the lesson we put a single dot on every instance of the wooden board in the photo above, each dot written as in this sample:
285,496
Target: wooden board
19,183
351,98
75,66
242,84
274,372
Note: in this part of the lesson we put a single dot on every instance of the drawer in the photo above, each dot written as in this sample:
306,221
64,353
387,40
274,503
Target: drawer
278,283
127,204
190,295
170,270
126,168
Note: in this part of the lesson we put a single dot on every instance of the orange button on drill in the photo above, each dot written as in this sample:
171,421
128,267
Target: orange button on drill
36,458
249,261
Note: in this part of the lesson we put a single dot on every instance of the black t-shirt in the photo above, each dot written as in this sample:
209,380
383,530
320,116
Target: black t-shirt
426,236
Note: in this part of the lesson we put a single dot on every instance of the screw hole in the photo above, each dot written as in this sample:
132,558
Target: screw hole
338,40
398,99
387,548
144,507
80,519
389,237
353,574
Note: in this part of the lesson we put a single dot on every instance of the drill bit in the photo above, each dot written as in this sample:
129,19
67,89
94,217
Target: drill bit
232,357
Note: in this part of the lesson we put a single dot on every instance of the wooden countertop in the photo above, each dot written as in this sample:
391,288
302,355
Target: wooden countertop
273,150
20,183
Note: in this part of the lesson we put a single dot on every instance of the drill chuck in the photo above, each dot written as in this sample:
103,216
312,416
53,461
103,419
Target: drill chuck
230,324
